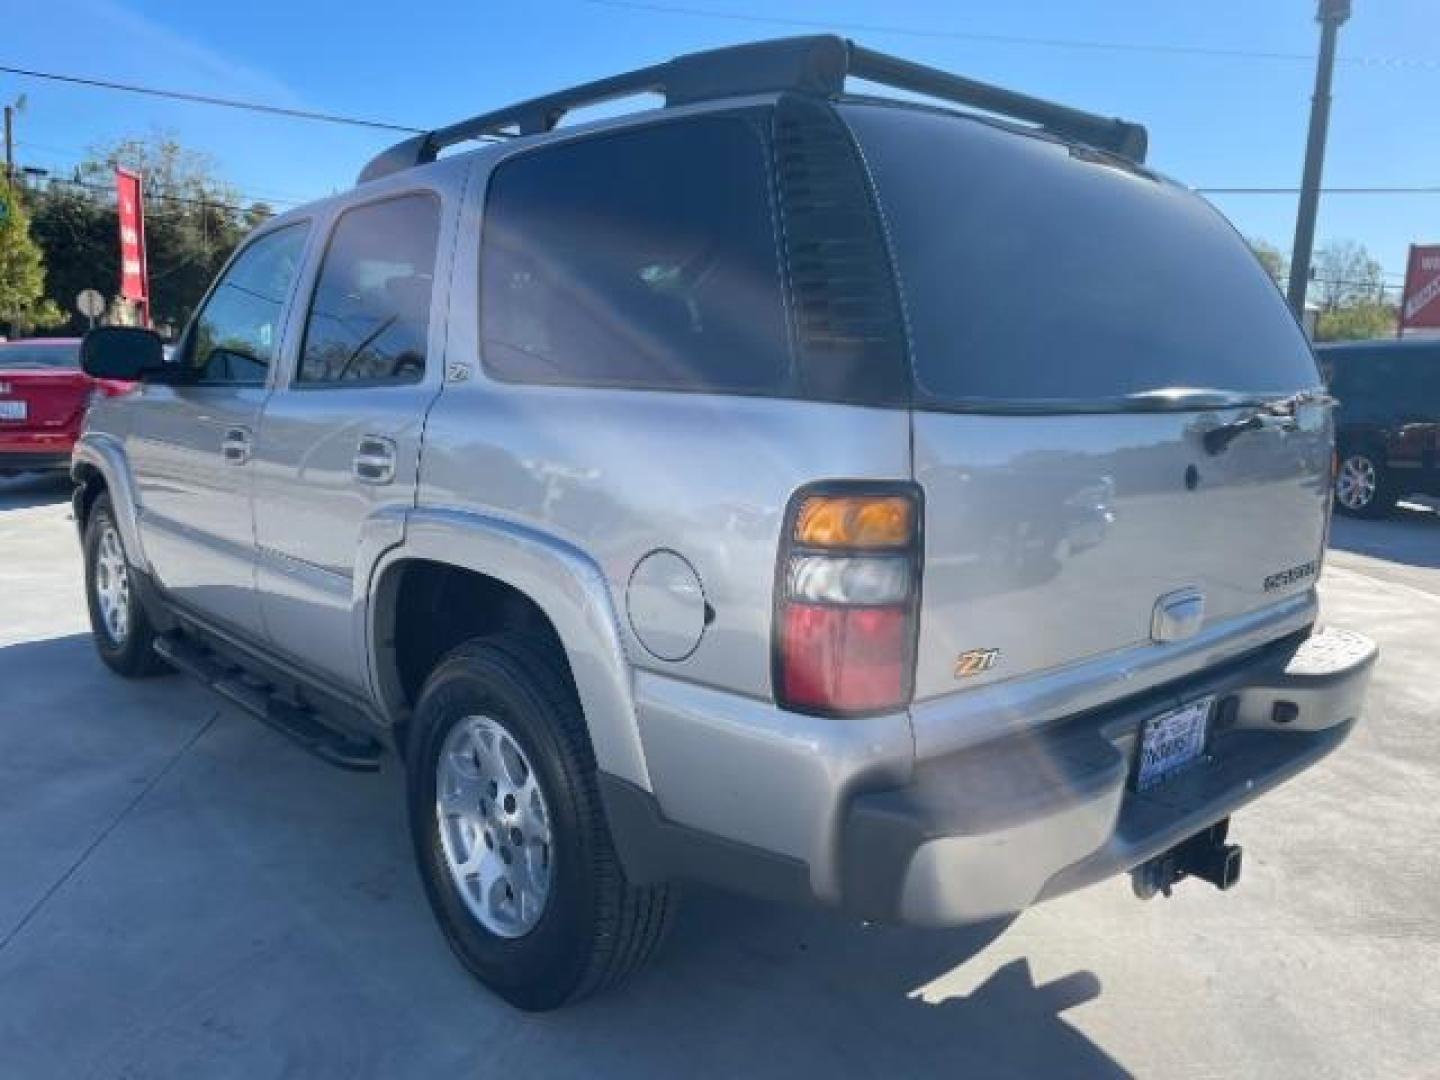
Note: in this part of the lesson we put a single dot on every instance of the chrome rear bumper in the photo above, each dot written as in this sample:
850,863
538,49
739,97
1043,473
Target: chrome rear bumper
988,831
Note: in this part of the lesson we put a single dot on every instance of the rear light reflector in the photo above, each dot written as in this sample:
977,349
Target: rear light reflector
847,602
844,657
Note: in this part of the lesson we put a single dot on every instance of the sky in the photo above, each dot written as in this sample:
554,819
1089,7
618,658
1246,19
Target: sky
1214,120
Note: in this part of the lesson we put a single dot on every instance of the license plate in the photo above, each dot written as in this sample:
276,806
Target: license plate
13,410
1172,741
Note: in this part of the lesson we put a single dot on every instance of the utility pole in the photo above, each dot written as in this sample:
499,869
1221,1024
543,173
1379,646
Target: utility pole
10,145
1330,15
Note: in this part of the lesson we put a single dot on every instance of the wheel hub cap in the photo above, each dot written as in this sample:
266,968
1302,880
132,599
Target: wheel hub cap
494,826
112,585
1355,487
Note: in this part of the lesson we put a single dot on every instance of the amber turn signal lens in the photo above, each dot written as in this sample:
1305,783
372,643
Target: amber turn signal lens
855,521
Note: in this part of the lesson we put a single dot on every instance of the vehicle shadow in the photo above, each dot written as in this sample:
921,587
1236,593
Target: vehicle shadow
794,993
1410,535
33,489
261,908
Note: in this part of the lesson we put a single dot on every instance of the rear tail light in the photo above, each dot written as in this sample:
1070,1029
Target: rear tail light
847,599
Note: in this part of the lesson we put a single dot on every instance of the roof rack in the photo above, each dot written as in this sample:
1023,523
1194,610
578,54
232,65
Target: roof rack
817,65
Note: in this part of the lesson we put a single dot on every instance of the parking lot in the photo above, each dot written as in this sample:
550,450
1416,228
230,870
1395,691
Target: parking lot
184,893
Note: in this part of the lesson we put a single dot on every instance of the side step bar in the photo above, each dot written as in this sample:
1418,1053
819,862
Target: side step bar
261,701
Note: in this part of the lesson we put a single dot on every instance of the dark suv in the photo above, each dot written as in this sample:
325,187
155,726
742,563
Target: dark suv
1388,432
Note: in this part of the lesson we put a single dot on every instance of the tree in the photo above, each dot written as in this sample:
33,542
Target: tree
1346,275
23,306
1271,257
1357,322
79,233
193,222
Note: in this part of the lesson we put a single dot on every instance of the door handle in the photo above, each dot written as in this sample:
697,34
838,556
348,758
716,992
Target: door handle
375,460
235,447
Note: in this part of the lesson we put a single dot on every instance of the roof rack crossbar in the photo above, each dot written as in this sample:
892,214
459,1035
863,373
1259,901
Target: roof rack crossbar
1118,136
815,65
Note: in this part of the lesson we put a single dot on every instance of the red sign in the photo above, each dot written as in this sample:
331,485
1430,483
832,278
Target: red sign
134,275
1420,306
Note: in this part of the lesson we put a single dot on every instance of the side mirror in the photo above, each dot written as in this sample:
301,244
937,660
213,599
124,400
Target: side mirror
125,353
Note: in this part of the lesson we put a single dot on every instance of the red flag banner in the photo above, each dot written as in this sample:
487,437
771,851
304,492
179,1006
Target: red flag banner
1420,306
134,275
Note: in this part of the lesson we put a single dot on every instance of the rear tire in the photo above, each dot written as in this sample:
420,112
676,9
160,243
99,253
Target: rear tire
124,636
1363,486
508,700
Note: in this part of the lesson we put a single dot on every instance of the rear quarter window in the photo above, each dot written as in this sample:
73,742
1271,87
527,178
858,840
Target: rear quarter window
645,258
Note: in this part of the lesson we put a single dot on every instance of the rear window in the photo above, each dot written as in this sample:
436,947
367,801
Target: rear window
65,356
1383,380
642,259
1034,273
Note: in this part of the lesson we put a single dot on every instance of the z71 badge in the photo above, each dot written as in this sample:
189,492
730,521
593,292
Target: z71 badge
1291,576
975,662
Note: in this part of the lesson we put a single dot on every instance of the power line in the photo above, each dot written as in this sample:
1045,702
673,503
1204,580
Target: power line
205,99
1420,190
998,39
52,172
153,196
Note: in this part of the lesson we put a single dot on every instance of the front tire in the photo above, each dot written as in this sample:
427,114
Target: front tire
123,634
509,833
1363,486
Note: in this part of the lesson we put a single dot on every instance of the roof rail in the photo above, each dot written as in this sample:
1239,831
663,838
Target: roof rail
815,65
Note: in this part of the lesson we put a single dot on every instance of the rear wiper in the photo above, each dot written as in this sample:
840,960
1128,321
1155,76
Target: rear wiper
1278,414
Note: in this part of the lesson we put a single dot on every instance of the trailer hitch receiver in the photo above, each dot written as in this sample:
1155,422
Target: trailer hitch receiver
1205,855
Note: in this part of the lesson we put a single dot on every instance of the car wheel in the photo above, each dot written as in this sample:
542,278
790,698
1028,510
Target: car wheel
123,634
512,843
1362,487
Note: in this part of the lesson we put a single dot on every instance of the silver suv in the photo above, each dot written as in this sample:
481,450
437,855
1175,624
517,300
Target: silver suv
884,505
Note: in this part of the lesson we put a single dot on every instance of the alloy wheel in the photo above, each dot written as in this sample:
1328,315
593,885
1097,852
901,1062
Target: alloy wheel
494,826
112,584
1357,483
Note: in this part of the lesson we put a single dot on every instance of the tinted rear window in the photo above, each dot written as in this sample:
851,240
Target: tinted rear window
1384,380
644,259
1032,273
64,356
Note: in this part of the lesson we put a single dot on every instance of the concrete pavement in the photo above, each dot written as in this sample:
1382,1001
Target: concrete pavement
183,893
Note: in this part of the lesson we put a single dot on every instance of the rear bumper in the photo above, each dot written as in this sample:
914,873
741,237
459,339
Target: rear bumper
989,831
36,451
33,458
829,813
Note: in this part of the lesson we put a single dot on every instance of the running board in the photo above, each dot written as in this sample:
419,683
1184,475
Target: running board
257,698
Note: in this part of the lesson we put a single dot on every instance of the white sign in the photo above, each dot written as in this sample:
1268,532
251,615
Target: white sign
90,304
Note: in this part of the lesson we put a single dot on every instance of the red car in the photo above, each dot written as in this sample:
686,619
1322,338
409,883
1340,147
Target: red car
43,398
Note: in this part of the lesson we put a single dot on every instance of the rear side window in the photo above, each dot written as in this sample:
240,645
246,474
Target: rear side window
369,319
1034,273
642,259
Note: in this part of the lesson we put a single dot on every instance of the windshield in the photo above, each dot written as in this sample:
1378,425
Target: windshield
62,355
1034,273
